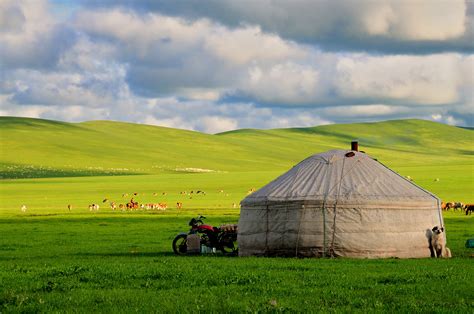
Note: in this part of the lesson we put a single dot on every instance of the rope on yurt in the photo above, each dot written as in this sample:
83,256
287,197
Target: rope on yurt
331,248
324,208
266,232
286,203
299,228
338,184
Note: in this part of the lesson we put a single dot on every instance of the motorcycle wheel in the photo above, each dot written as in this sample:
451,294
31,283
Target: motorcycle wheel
228,243
180,246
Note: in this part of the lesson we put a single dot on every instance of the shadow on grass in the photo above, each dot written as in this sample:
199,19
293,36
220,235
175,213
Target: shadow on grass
151,254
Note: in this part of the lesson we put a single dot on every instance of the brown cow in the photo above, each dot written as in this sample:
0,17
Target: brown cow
449,205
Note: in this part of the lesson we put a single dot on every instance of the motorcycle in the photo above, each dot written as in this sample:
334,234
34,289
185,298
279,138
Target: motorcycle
211,238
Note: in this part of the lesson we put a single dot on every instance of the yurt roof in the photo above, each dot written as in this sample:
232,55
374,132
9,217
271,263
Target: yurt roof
342,176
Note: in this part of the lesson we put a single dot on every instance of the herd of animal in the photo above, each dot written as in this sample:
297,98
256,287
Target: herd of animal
467,208
133,205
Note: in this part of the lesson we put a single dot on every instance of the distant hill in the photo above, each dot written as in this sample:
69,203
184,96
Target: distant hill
45,148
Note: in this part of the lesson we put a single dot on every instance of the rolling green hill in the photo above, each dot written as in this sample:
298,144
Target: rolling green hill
44,148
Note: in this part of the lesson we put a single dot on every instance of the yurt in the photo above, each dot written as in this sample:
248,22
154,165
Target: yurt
339,203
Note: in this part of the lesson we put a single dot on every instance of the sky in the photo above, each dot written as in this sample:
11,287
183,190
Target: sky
219,65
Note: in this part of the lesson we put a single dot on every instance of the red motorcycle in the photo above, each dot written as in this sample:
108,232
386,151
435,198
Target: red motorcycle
222,238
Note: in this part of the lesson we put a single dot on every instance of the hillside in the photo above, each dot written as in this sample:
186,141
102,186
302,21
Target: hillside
44,148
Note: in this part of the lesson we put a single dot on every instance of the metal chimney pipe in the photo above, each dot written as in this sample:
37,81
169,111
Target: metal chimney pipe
355,146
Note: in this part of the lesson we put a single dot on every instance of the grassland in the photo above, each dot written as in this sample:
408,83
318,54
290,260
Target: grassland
123,263
53,259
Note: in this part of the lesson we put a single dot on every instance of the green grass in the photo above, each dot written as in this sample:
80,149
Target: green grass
123,262
55,260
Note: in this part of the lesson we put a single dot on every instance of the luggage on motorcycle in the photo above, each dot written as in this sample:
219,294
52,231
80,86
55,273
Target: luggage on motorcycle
193,242
229,228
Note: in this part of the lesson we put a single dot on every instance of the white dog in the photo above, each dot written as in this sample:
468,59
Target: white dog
438,243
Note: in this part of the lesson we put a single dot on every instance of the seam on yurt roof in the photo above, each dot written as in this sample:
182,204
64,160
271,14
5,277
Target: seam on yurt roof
440,216
419,187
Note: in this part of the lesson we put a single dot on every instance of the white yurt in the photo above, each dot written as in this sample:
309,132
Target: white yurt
339,203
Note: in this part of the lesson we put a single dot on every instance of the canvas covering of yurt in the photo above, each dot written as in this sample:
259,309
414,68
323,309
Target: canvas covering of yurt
339,203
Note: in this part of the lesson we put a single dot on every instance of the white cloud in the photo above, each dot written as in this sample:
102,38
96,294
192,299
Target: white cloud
198,74
29,35
215,124
383,25
414,20
198,58
427,80
366,111
283,83
446,118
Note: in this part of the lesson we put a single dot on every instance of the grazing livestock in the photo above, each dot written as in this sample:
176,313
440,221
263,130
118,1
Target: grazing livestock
179,205
443,206
122,207
469,208
94,207
104,200
113,206
69,207
449,205
162,206
458,205
132,204
23,208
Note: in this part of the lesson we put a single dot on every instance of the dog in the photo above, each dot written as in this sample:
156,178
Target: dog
438,243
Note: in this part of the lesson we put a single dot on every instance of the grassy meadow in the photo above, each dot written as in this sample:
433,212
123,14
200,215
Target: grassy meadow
56,260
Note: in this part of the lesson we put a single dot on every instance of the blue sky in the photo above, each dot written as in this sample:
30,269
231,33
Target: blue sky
217,65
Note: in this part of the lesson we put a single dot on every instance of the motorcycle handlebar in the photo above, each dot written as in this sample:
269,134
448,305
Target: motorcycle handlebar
197,220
